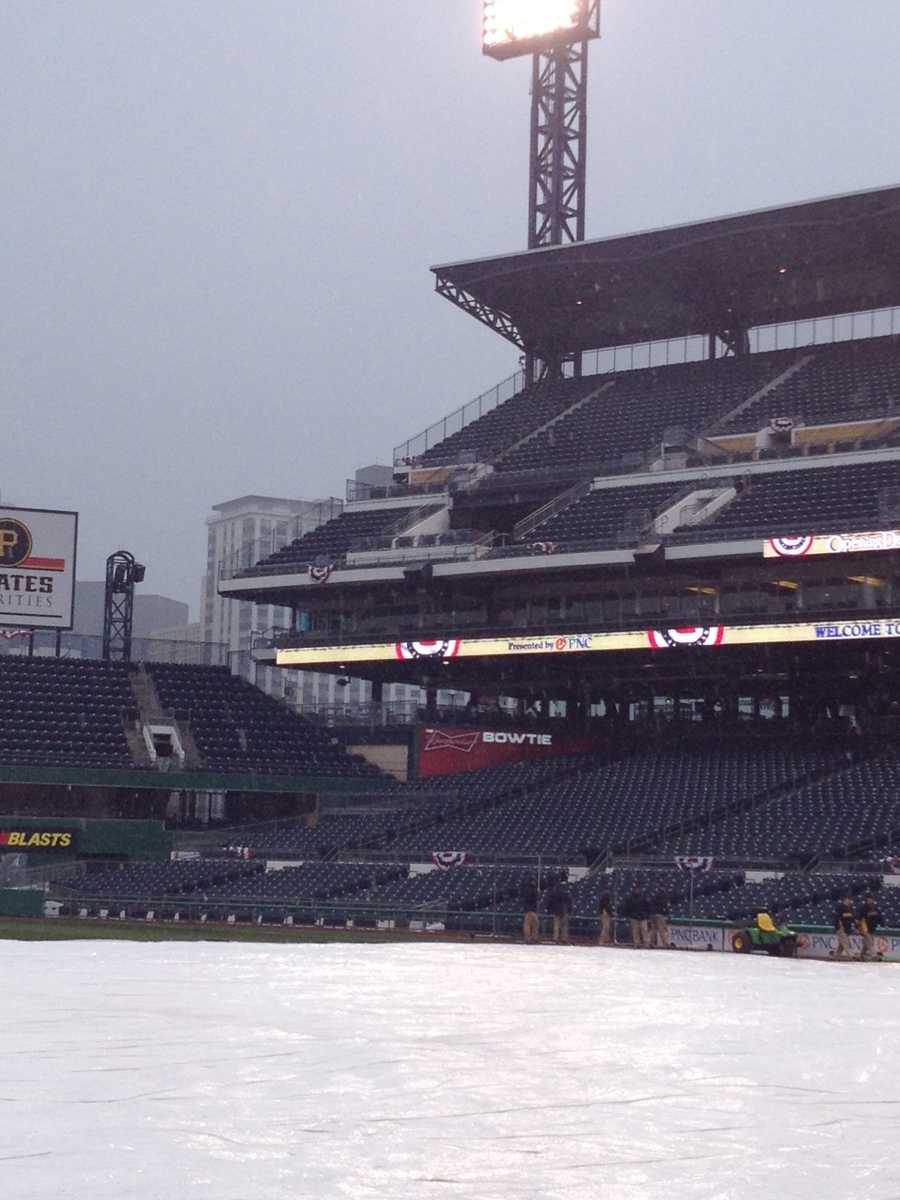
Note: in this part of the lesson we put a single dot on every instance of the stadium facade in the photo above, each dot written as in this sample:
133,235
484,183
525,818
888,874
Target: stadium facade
658,566
727,490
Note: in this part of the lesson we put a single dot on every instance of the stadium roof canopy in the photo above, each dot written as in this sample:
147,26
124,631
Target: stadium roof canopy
813,259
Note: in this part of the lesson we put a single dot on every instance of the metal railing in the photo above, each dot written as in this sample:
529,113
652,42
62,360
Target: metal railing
41,643
460,418
551,508
358,492
501,919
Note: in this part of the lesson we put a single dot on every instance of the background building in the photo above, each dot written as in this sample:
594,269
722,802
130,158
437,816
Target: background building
152,613
239,533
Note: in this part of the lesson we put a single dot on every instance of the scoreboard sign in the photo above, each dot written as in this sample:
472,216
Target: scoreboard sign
37,568
693,637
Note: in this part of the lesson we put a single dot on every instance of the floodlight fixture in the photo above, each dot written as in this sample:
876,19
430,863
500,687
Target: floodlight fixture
512,28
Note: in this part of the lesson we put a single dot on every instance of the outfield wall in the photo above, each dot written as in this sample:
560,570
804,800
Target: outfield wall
816,942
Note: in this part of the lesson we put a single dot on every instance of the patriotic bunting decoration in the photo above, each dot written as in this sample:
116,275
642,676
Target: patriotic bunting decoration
690,635
444,860
430,648
320,573
693,862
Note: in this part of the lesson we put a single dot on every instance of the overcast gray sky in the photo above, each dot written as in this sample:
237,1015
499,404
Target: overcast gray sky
218,216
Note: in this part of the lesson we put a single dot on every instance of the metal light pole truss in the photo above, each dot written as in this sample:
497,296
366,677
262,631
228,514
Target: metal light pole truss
494,318
118,608
558,142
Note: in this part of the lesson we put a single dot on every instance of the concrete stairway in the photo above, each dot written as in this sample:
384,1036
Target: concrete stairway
150,708
145,695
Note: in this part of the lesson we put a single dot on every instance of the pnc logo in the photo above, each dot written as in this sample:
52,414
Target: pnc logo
15,542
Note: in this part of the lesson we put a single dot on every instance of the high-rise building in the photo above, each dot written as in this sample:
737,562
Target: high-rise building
239,533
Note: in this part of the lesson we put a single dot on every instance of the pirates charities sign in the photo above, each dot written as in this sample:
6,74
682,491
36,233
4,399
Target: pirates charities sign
37,568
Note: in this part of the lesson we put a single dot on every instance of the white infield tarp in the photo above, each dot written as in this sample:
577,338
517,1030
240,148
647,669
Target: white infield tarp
230,1072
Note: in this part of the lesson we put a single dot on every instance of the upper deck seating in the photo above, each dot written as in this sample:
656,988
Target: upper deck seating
842,382
832,499
331,540
632,415
484,439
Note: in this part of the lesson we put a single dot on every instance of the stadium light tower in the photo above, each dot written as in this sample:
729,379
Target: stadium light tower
122,573
556,33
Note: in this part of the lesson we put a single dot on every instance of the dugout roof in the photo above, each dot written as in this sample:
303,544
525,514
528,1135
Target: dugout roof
795,263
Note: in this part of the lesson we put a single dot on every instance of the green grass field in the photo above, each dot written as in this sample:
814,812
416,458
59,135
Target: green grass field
33,929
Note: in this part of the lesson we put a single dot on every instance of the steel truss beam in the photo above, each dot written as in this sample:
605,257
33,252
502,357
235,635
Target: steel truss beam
558,141
494,318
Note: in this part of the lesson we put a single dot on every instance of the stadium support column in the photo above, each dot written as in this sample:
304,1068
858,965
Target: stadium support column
122,573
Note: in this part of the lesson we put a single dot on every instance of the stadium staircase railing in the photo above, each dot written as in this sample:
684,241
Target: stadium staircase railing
772,385
554,420
522,528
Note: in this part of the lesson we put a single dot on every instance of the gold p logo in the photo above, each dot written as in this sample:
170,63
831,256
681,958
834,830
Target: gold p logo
15,542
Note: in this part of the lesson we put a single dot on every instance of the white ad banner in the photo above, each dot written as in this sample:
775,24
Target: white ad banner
37,568
696,937
824,945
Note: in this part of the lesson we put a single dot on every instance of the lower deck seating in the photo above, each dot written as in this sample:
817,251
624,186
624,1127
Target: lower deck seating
310,881
606,807
150,881
855,805
414,814
461,888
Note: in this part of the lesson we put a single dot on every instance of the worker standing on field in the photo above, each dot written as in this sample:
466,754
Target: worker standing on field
530,922
658,924
844,924
559,905
867,921
634,907
605,919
